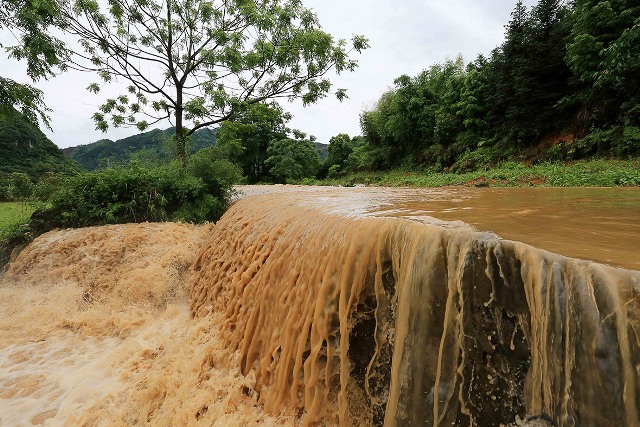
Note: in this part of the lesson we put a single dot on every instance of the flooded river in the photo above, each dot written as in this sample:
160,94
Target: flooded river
334,306
598,224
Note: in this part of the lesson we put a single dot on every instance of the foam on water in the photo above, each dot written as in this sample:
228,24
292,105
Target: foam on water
317,311
95,329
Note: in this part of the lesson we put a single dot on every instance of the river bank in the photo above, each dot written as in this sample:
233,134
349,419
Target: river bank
583,173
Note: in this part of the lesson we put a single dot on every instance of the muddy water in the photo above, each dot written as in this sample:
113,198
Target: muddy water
320,306
95,330
598,224
357,308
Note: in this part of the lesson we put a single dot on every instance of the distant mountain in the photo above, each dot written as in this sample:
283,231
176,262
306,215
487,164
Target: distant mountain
156,144
24,148
322,149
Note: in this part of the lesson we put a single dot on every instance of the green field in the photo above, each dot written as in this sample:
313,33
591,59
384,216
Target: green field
12,214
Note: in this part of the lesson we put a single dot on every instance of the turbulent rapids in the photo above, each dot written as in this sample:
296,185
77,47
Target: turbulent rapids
290,311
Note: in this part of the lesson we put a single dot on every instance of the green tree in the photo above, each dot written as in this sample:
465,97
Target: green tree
29,21
249,135
505,71
603,51
338,150
200,63
20,186
543,84
525,88
418,117
215,170
344,154
292,159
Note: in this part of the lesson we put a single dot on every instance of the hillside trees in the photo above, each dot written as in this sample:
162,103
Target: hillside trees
529,73
603,51
28,150
565,70
200,63
418,119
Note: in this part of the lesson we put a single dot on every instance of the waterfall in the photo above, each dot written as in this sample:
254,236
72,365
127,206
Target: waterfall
386,321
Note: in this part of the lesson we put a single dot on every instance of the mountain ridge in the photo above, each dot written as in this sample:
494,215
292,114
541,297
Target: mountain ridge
25,148
154,144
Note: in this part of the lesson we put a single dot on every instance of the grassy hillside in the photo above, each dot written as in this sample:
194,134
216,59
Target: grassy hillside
24,148
155,145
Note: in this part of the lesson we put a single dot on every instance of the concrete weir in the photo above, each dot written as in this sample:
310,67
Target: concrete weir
385,321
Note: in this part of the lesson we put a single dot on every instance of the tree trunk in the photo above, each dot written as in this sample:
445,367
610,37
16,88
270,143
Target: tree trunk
180,137
181,146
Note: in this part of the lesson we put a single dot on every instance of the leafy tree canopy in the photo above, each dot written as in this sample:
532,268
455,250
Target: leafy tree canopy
248,137
292,159
563,85
29,21
203,62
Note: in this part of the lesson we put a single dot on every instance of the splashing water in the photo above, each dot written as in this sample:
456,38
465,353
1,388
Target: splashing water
290,311
384,320
95,330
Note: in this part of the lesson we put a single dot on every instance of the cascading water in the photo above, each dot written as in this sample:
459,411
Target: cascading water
296,309
387,321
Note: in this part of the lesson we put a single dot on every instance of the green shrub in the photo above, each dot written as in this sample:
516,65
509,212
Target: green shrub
215,170
619,141
137,194
629,144
334,171
480,159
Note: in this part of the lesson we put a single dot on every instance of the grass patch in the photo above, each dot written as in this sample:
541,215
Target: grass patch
13,214
585,173
13,231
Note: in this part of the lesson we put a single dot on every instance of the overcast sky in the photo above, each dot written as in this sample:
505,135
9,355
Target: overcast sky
406,36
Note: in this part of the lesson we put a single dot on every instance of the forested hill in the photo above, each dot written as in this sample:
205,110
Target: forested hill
24,148
564,85
152,145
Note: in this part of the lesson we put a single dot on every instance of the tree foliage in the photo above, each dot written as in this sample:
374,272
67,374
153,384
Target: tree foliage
603,52
29,21
266,150
291,159
345,154
563,69
248,137
203,62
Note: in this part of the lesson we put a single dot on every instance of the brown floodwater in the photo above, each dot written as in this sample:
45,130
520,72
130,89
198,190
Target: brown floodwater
334,306
597,224
362,306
